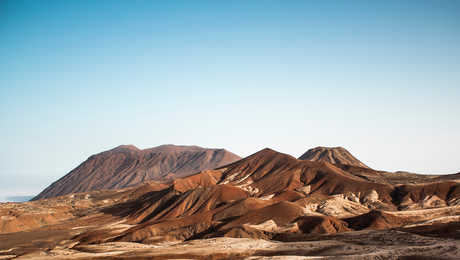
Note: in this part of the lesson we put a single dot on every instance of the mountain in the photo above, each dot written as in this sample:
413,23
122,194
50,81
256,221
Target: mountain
127,165
335,155
270,194
268,190
271,173
265,197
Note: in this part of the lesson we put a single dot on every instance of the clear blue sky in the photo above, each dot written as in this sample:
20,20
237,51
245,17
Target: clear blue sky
380,78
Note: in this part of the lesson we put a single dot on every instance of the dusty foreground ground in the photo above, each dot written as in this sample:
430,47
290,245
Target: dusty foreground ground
385,244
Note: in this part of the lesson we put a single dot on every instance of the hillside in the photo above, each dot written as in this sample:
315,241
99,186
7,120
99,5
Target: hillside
294,207
126,166
335,155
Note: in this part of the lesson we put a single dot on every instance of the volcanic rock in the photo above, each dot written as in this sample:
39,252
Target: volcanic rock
126,166
334,155
321,225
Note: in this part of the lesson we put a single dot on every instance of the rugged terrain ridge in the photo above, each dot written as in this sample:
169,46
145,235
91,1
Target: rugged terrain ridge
127,166
266,204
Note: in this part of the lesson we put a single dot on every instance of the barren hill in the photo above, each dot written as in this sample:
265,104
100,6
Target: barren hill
271,173
309,208
126,166
335,155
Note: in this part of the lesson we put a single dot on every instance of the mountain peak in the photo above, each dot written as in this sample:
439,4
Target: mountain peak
267,150
127,165
335,155
126,147
269,154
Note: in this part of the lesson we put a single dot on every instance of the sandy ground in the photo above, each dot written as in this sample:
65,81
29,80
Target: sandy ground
387,244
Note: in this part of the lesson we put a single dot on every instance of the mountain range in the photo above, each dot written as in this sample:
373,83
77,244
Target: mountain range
325,203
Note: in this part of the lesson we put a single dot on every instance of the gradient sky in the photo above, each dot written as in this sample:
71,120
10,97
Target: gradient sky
380,78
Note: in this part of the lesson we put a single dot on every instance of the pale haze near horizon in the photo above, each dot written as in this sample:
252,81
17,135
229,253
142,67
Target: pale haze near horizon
77,78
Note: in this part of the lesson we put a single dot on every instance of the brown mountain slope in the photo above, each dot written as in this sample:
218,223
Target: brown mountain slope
376,219
429,194
212,202
270,173
322,225
126,166
335,155
281,213
267,195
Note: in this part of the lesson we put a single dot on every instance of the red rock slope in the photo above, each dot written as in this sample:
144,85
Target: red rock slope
335,155
126,166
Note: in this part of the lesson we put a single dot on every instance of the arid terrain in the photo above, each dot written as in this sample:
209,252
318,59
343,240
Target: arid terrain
324,205
127,166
